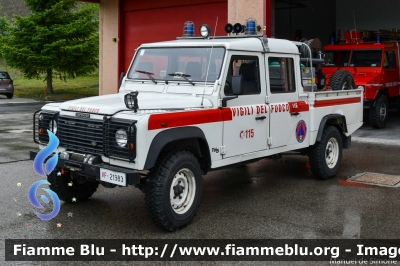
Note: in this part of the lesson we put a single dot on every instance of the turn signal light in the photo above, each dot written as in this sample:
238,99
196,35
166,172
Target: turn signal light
131,146
42,131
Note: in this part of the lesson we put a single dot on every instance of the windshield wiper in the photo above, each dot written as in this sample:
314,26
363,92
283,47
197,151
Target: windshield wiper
179,74
148,74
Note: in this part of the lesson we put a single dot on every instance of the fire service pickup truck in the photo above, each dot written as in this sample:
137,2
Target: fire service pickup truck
193,105
373,60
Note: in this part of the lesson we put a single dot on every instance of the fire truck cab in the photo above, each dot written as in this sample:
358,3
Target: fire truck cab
374,66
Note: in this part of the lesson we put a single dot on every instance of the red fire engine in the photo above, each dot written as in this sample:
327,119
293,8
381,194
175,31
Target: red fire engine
373,60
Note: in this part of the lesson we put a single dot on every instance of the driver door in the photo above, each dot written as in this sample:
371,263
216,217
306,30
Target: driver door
248,129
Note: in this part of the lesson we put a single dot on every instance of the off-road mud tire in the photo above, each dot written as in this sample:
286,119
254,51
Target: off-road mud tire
71,194
341,80
326,155
159,186
378,114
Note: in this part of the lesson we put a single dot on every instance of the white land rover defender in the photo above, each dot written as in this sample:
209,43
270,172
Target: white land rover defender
190,106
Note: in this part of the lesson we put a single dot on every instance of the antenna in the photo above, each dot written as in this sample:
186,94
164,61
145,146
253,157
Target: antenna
209,62
355,27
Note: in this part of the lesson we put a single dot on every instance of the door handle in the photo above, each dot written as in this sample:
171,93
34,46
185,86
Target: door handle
261,117
297,113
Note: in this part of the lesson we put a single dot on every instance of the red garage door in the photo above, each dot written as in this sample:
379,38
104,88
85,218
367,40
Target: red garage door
157,20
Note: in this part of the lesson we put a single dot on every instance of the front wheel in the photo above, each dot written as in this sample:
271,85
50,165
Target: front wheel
326,155
378,114
173,190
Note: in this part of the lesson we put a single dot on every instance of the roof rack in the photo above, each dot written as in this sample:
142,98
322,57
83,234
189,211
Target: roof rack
371,35
263,38
223,37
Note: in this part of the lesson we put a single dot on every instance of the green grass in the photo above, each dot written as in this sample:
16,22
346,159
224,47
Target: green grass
79,87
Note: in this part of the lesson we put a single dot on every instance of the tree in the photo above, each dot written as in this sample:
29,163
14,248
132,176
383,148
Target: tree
4,23
56,38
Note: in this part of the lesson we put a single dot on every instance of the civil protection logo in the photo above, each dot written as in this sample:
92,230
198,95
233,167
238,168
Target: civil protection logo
301,131
44,169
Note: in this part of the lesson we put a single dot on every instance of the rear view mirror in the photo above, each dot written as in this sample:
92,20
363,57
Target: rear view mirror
237,85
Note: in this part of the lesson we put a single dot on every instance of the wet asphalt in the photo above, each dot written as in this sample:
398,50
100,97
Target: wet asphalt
271,199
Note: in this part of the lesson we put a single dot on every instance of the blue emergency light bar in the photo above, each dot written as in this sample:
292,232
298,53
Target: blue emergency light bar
249,29
188,29
250,26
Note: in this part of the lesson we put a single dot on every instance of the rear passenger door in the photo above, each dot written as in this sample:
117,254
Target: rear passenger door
288,115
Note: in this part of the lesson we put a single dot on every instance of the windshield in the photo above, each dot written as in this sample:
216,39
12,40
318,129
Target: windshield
366,58
337,58
187,64
359,58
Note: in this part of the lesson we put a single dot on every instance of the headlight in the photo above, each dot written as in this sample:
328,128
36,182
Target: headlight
41,117
51,124
121,137
360,87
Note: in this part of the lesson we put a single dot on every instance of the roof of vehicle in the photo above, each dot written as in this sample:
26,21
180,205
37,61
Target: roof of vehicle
248,43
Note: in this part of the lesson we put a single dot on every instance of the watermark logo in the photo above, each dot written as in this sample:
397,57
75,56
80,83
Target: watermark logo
44,169
43,154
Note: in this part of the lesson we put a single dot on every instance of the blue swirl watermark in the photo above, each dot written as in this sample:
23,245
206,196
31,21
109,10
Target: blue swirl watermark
44,169
43,154
36,203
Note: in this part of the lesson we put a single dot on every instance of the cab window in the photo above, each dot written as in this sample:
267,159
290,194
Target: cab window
389,60
248,68
281,74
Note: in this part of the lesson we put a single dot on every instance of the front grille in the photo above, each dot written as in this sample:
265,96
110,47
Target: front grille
88,136
81,135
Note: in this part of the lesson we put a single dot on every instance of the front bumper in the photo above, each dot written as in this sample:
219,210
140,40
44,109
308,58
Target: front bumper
92,171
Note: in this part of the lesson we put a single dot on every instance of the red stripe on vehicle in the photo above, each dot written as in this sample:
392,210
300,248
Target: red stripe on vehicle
324,103
296,107
187,118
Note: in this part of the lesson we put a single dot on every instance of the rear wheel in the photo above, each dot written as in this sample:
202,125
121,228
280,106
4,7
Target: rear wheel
10,95
378,114
326,155
69,188
341,80
173,190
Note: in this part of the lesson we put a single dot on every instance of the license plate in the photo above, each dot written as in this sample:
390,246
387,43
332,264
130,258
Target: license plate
113,177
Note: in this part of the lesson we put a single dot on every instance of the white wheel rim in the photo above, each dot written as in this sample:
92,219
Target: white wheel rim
382,111
332,153
183,191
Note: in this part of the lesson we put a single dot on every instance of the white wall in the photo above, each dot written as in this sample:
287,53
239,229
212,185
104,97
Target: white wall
369,14
108,70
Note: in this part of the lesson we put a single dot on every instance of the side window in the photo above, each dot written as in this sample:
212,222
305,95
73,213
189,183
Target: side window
389,61
281,75
248,68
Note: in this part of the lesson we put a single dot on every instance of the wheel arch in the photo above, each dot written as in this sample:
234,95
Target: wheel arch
384,91
338,121
191,138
